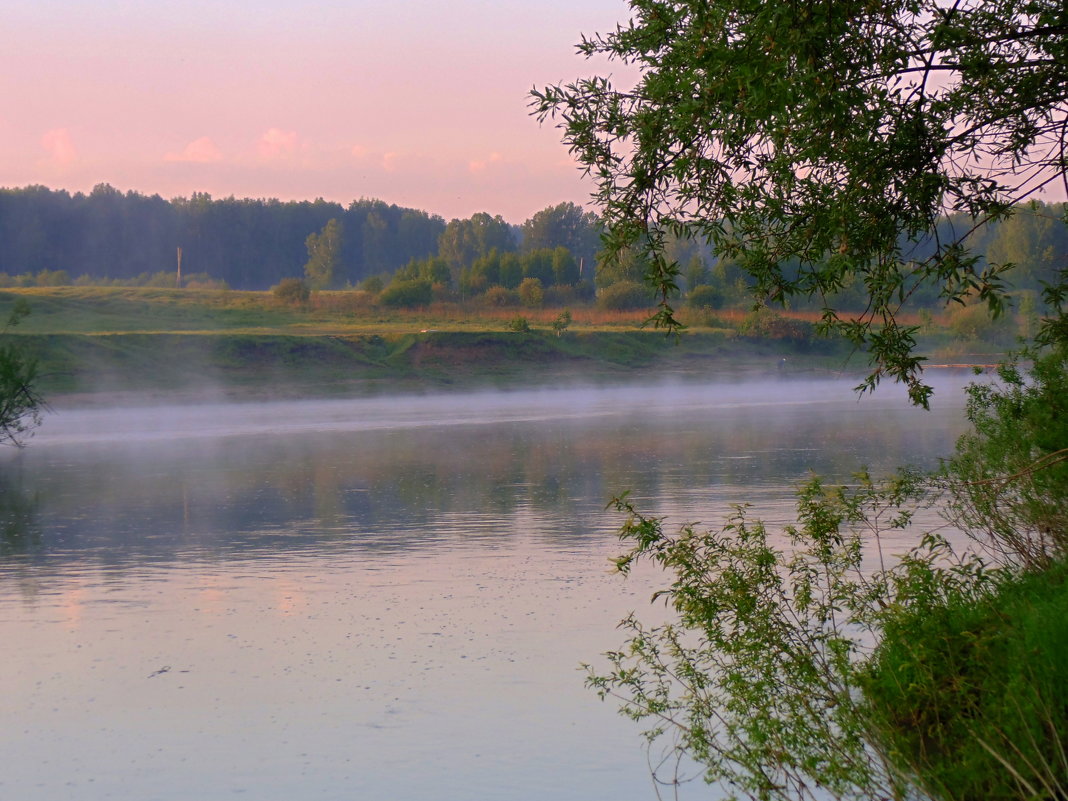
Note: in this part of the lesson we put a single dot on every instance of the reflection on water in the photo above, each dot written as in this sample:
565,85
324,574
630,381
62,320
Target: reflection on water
20,531
389,596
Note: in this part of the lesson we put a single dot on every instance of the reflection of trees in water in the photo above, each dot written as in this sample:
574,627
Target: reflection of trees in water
414,488
20,530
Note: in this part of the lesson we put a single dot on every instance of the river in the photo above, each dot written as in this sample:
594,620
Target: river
376,598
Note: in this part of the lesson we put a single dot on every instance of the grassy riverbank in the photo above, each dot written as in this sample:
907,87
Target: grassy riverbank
291,365
94,341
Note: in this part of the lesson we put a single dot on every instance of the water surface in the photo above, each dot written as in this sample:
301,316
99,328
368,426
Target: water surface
373,598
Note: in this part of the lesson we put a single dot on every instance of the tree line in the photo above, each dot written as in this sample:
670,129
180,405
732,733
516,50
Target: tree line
473,254
52,237
246,243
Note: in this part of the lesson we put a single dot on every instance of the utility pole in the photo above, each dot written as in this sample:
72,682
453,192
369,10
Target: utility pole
179,282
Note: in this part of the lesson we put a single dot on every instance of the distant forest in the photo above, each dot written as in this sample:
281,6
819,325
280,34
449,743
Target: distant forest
55,237
249,244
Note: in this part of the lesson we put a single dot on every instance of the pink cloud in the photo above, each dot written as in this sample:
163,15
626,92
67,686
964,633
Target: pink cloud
276,144
481,164
199,151
60,147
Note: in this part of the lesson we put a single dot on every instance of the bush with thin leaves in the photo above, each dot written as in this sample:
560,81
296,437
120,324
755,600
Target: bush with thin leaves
757,680
519,324
1009,475
21,405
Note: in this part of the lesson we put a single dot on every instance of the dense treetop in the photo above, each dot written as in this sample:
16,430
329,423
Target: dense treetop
814,143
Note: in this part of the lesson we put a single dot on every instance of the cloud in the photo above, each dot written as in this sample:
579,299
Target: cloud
277,144
481,164
60,147
199,151
389,161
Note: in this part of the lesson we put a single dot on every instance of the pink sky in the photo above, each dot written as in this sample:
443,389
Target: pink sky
416,102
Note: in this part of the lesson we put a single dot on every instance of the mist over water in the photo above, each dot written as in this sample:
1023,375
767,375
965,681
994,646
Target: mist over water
374,597
139,423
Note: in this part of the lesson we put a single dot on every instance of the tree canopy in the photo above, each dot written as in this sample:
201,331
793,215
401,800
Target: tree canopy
564,225
463,241
324,256
819,143
248,243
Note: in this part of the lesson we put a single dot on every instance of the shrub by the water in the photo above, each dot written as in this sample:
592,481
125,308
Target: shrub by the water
963,687
499,296
766,324
519,324
531,293
624,296
374,284
407,294
292,291
974,323
705,296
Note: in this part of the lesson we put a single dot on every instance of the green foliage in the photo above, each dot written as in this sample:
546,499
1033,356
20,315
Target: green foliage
1033,239
373,284
974,323
324,256
464,241
41,278
565,268
816,144
623,296
538,264
703,295
484,272
549,266
757,678
291,291
52,278
1009,475
697,273
498,296
707,318
160,278
21,406
111,238
628,265
511,270
1028,310
433,269
407,294
531,293
202,281
565,225
763,323
561,323
970,694
567,295
824,666
519,324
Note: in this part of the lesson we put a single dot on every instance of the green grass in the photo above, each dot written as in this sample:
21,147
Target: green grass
95,310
